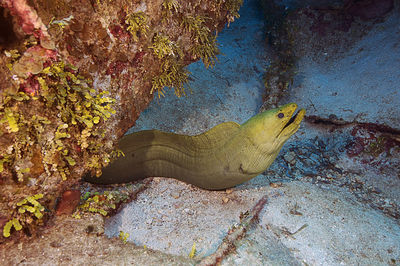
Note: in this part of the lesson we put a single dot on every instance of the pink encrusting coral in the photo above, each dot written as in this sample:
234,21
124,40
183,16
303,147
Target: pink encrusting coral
32,62
29,20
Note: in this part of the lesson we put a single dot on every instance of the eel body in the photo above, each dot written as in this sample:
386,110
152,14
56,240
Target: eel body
226,155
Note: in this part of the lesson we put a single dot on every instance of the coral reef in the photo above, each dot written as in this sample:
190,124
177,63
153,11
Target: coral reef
138,24
102,203
25,212
68,67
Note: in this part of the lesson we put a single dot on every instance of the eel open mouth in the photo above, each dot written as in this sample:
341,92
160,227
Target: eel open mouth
293,123
292,119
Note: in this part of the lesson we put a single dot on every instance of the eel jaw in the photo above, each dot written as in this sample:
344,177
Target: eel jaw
293,124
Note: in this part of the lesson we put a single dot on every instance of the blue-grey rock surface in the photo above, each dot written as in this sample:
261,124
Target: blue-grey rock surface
360,84
333,192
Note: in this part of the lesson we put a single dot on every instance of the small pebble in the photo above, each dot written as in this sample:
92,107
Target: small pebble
229,191
275,185
290,157
188,211
175,194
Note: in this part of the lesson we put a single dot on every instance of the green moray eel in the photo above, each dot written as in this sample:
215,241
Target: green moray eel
226,155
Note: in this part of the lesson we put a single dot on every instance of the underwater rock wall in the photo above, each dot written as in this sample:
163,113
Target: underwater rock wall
75,75
309,3
285,34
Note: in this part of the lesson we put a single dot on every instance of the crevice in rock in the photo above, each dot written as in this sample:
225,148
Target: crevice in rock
333,120
235,234
8,37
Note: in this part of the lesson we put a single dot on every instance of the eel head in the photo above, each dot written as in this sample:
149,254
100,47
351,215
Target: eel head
270,129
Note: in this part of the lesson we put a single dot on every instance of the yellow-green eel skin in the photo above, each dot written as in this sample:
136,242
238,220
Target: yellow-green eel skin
225,156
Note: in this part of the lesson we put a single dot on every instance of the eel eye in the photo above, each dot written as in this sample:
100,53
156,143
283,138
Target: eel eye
281,115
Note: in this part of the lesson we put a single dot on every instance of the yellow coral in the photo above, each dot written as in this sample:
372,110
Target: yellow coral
137,24
23,214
